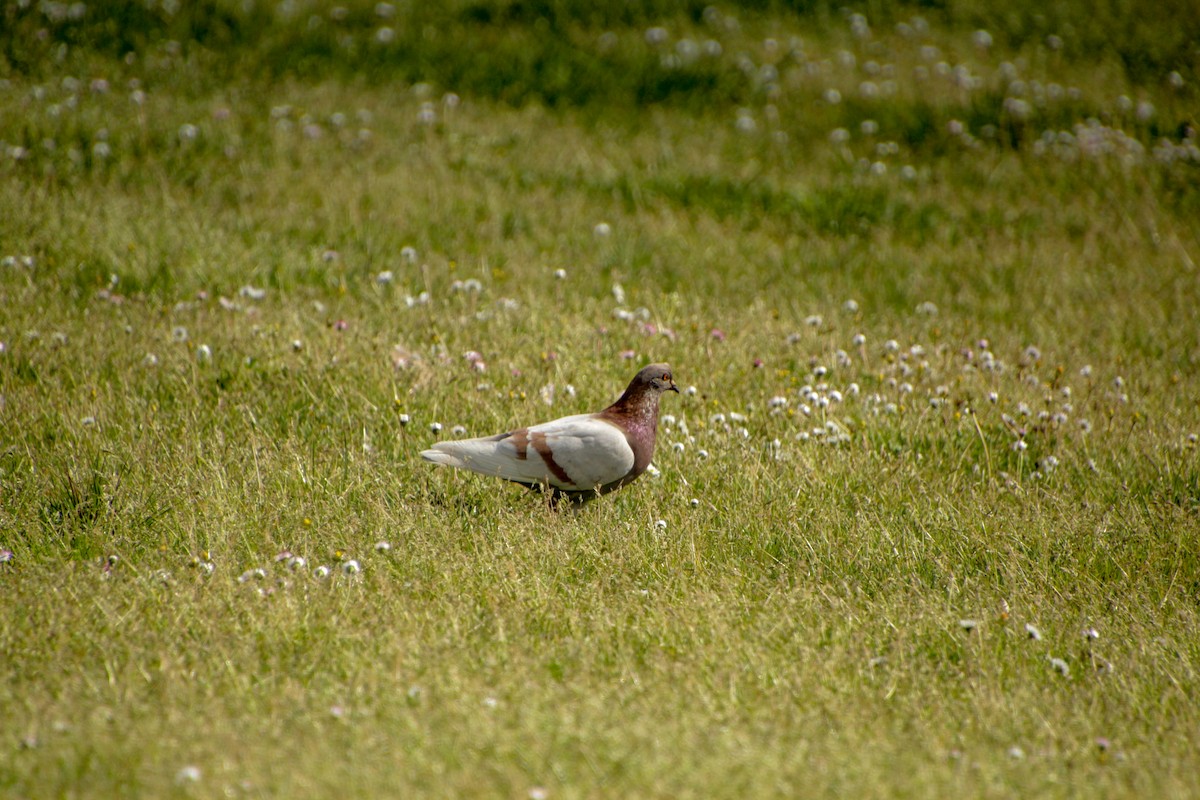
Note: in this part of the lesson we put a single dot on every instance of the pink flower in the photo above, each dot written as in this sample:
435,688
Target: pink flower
341,325
758,363
718,334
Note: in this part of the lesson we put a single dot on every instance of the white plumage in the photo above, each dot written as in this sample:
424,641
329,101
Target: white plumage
572,454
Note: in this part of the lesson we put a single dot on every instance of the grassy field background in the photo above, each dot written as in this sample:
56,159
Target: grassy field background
925,525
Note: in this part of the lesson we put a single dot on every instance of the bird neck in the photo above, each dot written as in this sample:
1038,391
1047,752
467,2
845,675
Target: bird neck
639,406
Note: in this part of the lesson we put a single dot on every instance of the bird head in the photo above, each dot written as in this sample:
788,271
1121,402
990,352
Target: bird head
658,377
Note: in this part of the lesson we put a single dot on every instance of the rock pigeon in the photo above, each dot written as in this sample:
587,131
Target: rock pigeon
578,457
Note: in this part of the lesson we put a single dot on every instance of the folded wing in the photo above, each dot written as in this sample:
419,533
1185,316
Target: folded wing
576,453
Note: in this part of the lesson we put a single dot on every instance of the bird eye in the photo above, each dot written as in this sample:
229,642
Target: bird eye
666,376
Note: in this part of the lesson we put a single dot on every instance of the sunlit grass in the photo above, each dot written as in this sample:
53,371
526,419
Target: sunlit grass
945,392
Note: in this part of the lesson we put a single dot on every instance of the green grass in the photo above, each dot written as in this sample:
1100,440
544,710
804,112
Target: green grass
205,370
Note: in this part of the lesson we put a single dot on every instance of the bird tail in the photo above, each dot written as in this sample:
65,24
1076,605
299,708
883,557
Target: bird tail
442,457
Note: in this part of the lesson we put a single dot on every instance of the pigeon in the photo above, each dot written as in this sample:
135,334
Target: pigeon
579,457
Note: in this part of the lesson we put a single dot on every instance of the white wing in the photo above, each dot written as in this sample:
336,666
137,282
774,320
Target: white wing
574,453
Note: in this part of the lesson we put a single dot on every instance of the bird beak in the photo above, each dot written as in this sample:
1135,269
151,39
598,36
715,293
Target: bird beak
674,388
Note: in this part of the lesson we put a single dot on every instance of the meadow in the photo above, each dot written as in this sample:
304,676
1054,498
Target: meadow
924,522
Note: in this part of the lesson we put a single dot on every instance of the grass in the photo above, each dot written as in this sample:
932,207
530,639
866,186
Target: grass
243,254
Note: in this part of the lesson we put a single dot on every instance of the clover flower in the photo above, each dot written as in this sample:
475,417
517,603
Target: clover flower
188,774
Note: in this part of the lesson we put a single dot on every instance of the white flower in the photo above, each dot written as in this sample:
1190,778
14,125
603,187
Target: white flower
203,353
435,427
351,567
188,774
1033,632
602,230
660,524
383,546
321,572
560,274
694,503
